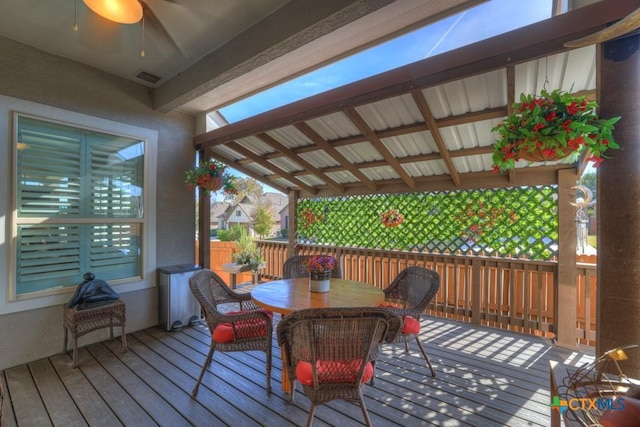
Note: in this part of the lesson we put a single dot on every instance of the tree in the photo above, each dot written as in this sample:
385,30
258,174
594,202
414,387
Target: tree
247,187
263,220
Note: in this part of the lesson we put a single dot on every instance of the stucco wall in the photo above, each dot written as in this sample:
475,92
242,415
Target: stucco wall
32,75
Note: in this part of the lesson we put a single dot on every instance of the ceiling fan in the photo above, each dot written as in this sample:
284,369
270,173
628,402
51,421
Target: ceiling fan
629,23
131,12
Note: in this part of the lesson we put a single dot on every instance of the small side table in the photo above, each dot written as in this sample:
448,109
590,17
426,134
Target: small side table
234,268
81,322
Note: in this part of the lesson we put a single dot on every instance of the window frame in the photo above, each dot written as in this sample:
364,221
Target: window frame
14,302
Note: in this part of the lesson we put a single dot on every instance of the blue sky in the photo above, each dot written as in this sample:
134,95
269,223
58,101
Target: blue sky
486,20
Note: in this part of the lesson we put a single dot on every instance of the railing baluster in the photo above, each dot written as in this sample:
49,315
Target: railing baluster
507,293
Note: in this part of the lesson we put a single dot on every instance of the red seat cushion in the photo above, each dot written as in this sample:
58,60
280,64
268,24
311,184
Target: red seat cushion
411,325
333,371
223,333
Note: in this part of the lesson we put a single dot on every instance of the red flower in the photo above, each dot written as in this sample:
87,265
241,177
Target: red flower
549,152
549,117
572,109
573,144
597,161
538,126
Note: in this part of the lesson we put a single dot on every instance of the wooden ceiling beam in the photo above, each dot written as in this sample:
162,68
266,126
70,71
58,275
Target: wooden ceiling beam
293,156
427,115
533,41
411,159
268,165
235,165
324,145
528,176
368,133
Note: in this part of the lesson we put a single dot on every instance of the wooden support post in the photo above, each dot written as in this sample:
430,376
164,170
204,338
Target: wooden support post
204,226
618,213
293,223
564,310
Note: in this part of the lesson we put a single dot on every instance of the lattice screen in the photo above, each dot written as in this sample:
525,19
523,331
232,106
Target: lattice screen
512,222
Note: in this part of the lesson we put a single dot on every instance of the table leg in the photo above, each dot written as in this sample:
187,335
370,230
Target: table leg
232,280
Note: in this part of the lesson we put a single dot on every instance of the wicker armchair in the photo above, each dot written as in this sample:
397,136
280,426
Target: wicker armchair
408,296
295,267
248,329
329,351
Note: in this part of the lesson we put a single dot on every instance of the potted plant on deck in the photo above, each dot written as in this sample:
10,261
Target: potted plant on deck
211,175
550,127
320,268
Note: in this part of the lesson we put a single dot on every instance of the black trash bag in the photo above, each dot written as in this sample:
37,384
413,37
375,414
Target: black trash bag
92,293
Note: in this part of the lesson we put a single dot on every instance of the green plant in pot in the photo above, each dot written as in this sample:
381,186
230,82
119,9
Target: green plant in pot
550,127
248,253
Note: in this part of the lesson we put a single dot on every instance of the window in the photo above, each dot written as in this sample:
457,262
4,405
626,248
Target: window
79,205
238,212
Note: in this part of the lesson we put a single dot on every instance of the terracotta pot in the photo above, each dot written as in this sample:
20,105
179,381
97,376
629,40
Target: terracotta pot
537,156
214,185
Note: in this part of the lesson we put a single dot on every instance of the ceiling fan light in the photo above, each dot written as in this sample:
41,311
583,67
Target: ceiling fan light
120,11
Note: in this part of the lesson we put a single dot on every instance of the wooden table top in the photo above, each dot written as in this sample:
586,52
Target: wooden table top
289,295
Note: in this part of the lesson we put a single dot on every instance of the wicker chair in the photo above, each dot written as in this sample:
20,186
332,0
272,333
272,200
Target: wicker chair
295,266
408,296
248,329
329,351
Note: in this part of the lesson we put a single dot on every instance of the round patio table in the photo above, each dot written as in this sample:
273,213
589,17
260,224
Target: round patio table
288,295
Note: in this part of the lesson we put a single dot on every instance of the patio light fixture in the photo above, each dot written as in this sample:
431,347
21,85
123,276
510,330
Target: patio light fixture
120,11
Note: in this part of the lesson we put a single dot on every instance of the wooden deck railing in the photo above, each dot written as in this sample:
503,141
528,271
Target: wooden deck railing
512,294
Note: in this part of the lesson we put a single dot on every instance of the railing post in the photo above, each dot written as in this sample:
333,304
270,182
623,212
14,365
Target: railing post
475,292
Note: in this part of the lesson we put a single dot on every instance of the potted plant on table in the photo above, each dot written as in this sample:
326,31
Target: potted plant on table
320,268
211,175
550,127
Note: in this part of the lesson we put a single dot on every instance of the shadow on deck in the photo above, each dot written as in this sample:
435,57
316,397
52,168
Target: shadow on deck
484,377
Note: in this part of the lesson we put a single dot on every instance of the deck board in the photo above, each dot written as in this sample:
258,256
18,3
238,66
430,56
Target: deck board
94,409
484,377
60,406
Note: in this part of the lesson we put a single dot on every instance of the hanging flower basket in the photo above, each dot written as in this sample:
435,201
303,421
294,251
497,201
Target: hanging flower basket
550,127
211,175
213,184
538,155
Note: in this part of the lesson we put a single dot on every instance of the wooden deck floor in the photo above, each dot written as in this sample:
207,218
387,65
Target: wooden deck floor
485,377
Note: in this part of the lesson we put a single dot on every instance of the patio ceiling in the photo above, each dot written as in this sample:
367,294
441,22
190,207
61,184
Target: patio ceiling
422,127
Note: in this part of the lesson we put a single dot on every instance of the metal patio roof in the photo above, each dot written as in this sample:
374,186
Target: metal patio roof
422,127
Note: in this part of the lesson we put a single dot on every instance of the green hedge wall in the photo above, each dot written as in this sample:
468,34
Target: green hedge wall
510,222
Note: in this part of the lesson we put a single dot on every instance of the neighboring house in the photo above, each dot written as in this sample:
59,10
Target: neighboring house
218,215
242,213
284,217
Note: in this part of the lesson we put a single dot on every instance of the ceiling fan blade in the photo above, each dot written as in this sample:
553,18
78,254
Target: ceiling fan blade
154,24
620,28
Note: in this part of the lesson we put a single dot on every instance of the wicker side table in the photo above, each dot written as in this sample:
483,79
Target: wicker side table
81,322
